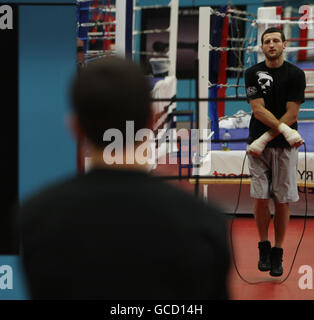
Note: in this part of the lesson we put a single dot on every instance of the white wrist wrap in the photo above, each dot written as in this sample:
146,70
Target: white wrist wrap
284,129
258,145
292,136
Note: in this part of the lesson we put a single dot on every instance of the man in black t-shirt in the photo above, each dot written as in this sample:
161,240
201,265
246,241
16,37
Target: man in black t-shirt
115,232
275,91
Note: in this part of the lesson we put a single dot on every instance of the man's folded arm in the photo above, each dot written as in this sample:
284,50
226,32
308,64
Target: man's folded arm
277,126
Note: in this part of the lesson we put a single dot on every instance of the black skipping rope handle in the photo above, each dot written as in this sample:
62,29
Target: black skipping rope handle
301,237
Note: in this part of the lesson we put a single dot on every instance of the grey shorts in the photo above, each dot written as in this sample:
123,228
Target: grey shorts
274,175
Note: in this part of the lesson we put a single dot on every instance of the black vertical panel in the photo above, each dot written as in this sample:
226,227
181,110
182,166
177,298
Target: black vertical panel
129,28
8,126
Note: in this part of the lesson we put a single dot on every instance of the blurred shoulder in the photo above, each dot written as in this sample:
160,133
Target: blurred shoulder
49,197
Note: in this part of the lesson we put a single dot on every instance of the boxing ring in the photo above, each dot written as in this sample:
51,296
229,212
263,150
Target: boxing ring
214,163
163,80
104,26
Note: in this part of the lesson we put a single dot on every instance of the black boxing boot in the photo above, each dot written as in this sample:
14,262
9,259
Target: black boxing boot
264,262
276,262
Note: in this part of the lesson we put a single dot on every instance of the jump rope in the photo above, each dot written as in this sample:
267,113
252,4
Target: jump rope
299,243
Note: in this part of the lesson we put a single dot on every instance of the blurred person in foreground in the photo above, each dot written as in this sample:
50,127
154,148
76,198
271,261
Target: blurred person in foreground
115,232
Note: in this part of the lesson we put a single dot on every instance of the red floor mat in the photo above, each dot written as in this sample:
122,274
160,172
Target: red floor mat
245,243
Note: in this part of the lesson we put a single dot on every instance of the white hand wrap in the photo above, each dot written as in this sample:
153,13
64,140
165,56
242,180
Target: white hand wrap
292,136
258,145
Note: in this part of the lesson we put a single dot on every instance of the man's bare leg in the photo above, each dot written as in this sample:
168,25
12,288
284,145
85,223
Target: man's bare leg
281,221
262,217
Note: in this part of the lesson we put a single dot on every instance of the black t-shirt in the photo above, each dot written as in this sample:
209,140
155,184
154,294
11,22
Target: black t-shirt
276,86
122,234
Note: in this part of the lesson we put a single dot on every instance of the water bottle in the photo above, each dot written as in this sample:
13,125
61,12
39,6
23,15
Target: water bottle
226,144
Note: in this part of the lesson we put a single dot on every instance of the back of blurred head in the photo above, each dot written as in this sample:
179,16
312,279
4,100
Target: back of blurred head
107,93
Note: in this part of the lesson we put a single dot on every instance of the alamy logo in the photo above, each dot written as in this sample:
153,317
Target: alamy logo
306,18
265,80
6,277
6,17
306,280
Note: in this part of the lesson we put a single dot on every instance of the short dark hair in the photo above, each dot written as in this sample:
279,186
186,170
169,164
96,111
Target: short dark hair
271,30
107,93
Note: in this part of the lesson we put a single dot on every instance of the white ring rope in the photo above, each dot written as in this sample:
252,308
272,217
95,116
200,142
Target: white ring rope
241,39
101,8
239,12
237,69
228,15
95,24
274,21
101,38
100,33
95,52
225,85
256,48
151,7
288,49
138,32
151,53
227,48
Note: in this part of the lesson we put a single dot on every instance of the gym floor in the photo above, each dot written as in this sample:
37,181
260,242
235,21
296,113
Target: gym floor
245,239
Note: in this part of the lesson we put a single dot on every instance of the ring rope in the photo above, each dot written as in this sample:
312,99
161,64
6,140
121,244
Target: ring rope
151,53
257,48
221,85
98,38
228,15
239,12
227,48
101,33
98,52
95,24
138,32
273,21
151,7
236,69
241,39
102,9
300,39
